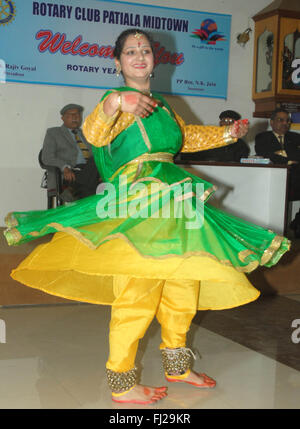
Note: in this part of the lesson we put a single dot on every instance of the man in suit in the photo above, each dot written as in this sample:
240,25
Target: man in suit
282,146
65,147
231,153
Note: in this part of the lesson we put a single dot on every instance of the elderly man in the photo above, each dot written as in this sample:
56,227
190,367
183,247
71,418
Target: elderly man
66,148
282,146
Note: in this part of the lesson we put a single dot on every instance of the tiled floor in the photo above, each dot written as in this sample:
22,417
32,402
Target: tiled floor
54,357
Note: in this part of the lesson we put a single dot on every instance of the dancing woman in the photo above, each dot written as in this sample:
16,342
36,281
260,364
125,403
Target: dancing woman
123,250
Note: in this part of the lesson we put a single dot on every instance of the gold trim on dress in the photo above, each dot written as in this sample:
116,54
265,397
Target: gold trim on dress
145,179
73,232
101,129
204,196
156,156
244,254
168,111
202,137
227,135
207,193
10,220
155,179
269,252
247,269
191,194
184,197
12,235
34,233
143,132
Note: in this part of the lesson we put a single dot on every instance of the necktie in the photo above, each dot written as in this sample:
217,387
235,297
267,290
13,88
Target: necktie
281,141
282,152
82,146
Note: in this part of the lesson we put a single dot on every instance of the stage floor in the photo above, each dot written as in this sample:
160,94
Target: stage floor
54,357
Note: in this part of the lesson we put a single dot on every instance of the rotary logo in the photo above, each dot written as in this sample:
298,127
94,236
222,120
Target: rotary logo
7,11
208,32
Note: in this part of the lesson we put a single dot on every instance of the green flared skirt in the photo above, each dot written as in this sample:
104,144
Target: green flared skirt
152,220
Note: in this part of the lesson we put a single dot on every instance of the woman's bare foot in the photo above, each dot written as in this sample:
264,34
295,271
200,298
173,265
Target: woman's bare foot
191,377
141,395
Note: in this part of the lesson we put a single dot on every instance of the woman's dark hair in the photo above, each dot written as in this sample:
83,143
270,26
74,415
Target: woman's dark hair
122,39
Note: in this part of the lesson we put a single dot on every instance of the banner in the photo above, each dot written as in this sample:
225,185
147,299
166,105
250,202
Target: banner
71,42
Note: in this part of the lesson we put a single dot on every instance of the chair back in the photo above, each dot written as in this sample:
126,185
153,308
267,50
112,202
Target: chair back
52,194
42,165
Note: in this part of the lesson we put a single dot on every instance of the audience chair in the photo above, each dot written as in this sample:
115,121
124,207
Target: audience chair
53,195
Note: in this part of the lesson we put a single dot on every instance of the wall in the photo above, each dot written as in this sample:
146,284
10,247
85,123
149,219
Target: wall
26,110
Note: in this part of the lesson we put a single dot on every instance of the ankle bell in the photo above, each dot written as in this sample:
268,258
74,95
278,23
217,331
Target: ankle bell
121,381
177,361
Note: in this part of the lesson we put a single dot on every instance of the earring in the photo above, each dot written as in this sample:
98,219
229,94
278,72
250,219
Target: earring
151,75
118,70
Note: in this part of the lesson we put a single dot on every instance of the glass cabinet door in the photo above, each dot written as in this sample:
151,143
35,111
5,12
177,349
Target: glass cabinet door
289,60
290,65
264,65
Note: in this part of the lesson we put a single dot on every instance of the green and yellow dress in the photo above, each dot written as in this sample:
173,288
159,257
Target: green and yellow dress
152,220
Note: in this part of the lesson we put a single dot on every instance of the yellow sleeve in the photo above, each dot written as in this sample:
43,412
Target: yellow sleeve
202,137
100,129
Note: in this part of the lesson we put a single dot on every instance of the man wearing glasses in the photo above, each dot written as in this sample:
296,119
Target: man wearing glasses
282,146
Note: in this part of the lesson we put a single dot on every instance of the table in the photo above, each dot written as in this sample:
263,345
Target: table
254,192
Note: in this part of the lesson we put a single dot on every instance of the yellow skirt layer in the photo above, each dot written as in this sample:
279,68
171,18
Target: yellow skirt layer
68,268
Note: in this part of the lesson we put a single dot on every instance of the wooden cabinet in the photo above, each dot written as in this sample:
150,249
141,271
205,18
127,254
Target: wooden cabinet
276,70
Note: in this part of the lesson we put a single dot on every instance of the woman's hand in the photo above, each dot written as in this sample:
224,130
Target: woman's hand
239,128
130,102
137,103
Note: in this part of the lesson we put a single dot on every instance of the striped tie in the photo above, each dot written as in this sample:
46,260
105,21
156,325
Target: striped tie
82,146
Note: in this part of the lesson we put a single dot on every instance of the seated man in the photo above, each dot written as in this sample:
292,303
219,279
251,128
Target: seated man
66,148
231,153
282,146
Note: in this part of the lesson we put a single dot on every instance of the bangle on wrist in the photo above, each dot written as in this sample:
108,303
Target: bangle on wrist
119,99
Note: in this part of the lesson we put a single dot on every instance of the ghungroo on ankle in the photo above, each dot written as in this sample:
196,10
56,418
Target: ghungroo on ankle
121,381
177,361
